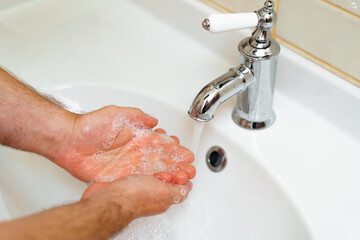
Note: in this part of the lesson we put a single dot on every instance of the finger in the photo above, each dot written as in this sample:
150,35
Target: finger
156,141
188,156
174,149
113,141
153,157
164,176
169,162
188,168
176,139
148,120
94,188
160,130
134,114
180,177
179,193
189,185
137,115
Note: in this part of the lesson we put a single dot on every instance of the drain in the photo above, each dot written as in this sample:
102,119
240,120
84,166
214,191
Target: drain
216,159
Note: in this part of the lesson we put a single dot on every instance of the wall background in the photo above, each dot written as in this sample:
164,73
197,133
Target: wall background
6,4
325,31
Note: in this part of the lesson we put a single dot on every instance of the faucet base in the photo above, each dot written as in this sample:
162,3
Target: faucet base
244,123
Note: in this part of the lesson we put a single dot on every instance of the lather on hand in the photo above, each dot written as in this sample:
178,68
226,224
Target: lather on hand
93,147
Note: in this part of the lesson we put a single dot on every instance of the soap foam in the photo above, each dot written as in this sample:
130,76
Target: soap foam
100,156
177,199
183,192
149,228
119,123
141,142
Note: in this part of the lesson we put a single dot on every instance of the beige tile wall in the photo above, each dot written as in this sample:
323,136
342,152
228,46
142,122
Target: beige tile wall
237,5
325,31
352,6
6,4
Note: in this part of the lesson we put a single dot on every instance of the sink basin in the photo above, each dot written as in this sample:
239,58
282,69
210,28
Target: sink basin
245,200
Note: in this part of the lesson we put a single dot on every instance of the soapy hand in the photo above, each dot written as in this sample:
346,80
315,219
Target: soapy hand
114,142
104,145
138,195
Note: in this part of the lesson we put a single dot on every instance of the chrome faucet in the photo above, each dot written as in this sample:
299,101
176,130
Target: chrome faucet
253,80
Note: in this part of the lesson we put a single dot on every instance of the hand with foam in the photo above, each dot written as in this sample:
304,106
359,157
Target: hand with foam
114,142
137,195
101,146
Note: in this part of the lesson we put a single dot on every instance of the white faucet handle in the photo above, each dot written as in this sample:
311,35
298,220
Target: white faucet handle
217,23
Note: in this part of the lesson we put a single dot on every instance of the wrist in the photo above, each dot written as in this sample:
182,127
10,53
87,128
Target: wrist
57,134
111,210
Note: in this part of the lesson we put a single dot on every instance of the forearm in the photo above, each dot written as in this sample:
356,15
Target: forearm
29,121
83,220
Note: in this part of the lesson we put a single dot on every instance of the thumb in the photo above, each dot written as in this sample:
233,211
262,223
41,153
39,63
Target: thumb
179,193
141,116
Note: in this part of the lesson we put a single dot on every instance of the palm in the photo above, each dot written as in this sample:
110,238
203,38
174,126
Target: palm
115,142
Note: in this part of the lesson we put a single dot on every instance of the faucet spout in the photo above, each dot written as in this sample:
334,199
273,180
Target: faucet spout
235,81
253,80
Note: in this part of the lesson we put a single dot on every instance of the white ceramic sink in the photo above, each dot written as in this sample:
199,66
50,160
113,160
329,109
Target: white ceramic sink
243,200
297,179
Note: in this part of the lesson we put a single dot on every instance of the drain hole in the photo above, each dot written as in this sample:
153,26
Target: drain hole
216,158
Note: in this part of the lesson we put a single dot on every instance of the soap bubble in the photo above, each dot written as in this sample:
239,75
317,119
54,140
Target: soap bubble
152,156
177,199
100,156
149,228
183,192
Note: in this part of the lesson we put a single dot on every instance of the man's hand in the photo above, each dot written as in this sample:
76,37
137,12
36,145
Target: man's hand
138,195
104,210
114,142
99,146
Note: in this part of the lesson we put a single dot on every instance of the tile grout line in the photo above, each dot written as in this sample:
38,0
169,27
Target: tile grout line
300,51
321,62
273,31
340,8
217,6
